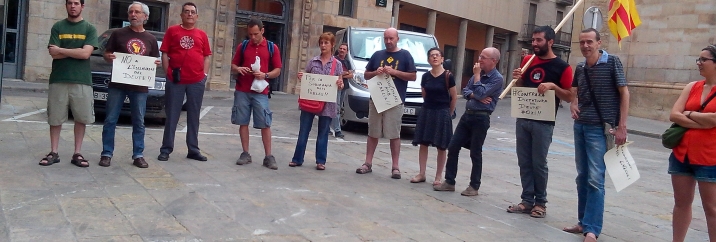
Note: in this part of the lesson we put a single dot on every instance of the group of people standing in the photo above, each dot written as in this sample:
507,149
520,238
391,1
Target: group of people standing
597,91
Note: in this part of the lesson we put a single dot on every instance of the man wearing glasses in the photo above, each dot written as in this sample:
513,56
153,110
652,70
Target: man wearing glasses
482,92
600,96
185,59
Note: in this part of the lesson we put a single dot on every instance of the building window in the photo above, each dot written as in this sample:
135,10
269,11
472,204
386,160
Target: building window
409,27
273,7
118,16
451,53
345,8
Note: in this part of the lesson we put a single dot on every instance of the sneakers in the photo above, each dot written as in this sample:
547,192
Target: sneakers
270,162
469,191
445,187
338,134
244,159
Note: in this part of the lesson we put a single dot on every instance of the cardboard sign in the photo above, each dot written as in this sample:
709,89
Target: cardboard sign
319,87
528,103
621,166
383,92
134,69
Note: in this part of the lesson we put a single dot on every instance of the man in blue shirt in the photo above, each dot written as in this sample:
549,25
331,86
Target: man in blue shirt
482,92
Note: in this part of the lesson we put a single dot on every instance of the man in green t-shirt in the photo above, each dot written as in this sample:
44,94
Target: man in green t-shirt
72,41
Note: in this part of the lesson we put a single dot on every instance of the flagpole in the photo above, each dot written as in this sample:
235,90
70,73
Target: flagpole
559,26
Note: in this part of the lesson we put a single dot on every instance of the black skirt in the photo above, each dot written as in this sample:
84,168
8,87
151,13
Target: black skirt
434,128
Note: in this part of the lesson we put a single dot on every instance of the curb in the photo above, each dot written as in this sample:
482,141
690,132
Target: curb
644,133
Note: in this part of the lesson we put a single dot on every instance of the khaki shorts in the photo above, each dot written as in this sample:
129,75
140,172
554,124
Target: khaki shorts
385,124
76,97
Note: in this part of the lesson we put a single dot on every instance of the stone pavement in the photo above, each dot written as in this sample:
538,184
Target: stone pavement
187,200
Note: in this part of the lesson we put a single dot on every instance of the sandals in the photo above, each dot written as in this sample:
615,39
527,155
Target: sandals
320,167
538,211
365,168
50,159
437,183
418,179
79,160
575,229
519,208
395,173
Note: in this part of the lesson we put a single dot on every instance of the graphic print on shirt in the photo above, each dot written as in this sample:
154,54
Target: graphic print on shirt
136,46
186,42
390,63
537,75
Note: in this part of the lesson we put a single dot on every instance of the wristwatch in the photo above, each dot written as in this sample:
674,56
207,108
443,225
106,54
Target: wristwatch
266,78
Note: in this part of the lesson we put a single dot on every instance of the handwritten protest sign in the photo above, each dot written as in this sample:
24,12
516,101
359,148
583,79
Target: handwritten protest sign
528,103
134,69
621,166
319,87
383,92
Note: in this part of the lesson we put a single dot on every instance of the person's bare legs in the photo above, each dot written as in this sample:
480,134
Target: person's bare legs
423,161
442,158
266,138
708,200
79,136
244,136
55,137
395,152
684,187
371,145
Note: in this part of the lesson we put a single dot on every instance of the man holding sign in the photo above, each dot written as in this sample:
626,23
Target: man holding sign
601,101
132,39
400,66
546,72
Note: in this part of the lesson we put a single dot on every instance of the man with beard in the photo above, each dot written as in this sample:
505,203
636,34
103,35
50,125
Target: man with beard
347,74
546,72
131,40
185,59
72,41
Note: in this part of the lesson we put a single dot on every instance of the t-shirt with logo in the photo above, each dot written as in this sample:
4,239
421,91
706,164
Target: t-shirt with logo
72,35
186,49
126,40
553,70
400,60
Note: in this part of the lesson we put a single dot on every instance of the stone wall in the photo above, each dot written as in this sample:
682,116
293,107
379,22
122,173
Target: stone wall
659,57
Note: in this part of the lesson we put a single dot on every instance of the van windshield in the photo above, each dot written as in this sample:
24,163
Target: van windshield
366,42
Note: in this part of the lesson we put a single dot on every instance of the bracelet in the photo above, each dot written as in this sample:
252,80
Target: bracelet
689,115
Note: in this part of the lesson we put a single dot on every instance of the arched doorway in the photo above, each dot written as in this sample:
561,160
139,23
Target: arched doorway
275,15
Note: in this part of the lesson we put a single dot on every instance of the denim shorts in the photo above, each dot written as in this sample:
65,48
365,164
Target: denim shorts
699,172
248,103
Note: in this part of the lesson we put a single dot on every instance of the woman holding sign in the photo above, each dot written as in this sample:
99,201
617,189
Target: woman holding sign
434,127
692,161
323,64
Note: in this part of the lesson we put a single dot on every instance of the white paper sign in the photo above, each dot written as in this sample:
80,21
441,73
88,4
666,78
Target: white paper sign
134,69
621,166
528,103
384,93
319,87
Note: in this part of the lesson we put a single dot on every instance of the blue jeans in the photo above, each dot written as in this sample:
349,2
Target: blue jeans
590,145
336,124
138,106
306,122
533,140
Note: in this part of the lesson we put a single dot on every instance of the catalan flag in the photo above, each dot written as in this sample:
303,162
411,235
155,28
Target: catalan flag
623,18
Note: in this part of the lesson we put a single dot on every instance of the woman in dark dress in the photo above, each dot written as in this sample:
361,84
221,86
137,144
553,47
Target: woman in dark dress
434,127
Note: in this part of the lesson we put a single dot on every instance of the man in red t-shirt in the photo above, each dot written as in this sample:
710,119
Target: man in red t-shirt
185,59
247,101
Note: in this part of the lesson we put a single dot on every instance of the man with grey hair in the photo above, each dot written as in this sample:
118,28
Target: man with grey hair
132,39
482,93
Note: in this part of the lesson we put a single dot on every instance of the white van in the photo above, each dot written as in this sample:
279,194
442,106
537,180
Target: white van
362,43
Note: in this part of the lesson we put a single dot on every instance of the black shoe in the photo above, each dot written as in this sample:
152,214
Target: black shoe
339,135
198,157
163,157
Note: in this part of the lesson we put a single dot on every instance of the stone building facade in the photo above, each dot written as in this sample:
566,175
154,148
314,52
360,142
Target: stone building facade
659,57
463,26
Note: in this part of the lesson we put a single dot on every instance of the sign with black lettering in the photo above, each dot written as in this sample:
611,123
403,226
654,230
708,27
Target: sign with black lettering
383,92
530,104
381,3
134,69
319,87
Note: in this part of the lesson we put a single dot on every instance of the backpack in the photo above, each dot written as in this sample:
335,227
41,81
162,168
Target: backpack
270,46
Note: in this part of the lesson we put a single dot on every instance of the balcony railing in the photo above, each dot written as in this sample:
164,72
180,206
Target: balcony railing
561,38
565,2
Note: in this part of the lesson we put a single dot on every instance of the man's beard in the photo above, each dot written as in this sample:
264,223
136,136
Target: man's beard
541,50
79,13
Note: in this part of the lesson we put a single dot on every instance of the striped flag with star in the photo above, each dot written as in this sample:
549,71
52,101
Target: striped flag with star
623,18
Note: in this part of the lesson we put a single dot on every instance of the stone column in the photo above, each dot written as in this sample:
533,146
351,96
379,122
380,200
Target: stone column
460,62
220,70
396,12
513,57
432,18
489,36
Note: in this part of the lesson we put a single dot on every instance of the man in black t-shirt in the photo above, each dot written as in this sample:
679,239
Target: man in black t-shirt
399,64
132,39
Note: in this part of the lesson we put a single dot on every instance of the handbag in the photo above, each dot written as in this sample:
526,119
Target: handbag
313,106
673,135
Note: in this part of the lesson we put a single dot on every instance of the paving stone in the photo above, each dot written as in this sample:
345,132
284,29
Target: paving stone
92,217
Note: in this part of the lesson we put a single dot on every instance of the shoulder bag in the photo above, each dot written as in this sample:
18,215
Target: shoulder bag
673,135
